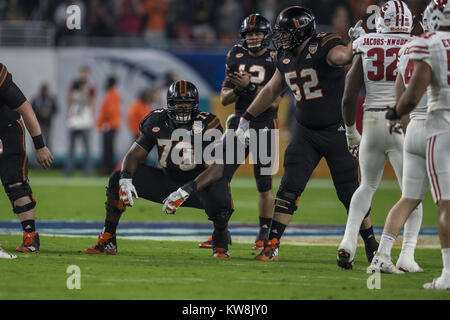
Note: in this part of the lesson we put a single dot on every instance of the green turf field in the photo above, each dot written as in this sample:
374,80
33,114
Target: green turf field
147,269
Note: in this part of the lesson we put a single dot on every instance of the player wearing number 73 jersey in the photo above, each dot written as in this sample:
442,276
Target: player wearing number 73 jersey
310,64
375,64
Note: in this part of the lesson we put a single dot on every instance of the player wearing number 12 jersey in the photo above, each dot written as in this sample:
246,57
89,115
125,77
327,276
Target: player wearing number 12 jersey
310,65
375,64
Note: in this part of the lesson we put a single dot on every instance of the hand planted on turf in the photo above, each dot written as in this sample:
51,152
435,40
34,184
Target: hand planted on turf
126,192
175,200
243,132
44,157
356,31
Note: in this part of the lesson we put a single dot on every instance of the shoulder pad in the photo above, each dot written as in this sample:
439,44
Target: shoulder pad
155,117
328,37
3,74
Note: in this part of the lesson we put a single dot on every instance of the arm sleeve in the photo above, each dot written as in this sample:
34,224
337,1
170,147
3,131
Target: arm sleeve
10,94
330,41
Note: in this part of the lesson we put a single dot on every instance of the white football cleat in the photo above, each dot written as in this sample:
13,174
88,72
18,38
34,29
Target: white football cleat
345,258
440,283
382,263
407,264
6,255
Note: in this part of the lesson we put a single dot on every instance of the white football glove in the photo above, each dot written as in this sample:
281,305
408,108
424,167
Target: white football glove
175,200
353,140
126,191
356,31
243,132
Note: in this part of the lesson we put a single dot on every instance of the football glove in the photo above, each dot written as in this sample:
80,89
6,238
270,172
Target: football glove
353,140
126,192
176,198
243,132
391,114
356,31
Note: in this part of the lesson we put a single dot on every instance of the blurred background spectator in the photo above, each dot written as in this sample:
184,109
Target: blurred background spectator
80,115
44,105
138,109
108,122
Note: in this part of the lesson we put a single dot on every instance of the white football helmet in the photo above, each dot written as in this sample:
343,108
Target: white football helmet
437,14
394,16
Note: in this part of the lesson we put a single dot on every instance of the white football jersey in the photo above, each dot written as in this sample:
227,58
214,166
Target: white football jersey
405,67
434,49
379,58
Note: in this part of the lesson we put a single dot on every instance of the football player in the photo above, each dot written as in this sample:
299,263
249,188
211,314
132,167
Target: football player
375,65
431,64
185,181
415,178
249,66
310,65
14,159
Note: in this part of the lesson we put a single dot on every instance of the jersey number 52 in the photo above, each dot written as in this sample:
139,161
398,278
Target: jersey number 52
309,86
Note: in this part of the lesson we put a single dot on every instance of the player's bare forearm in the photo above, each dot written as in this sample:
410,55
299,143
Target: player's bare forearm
133,158
227,96
417,86
268,95
353,83
399,89
340,56
211,174
29,118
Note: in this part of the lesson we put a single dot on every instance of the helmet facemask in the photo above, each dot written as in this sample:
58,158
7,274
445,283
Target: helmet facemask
182,111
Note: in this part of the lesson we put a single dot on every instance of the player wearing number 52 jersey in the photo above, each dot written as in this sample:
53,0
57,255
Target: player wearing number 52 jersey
431,54
179,181
310,65
249,66
375,65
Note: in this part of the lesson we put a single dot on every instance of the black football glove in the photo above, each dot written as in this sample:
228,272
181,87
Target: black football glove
391,114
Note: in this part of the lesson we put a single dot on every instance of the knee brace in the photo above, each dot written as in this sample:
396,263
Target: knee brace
221,219
263,183
16,192
286,201
112,191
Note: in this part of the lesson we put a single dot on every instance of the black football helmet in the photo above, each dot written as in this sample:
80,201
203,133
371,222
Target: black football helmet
256,23
181,92
298,22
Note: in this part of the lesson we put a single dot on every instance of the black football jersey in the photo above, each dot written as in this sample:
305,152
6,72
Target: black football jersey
9,99
261,69
317,86
157,129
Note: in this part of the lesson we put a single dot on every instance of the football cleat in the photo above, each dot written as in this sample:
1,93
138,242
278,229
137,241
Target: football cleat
207,244
6,255
259,245
343,259
30,243
270,250
220,253
407,264
210,243
441,283
106,244
382,263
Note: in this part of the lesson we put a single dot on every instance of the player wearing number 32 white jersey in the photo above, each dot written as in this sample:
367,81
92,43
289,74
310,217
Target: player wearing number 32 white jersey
375,64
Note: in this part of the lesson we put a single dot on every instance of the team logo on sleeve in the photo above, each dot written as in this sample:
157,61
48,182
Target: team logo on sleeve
286,61
156,129
197,127
313,48
239,55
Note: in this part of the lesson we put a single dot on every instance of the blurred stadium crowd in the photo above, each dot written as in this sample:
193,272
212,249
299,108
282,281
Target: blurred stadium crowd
204,21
